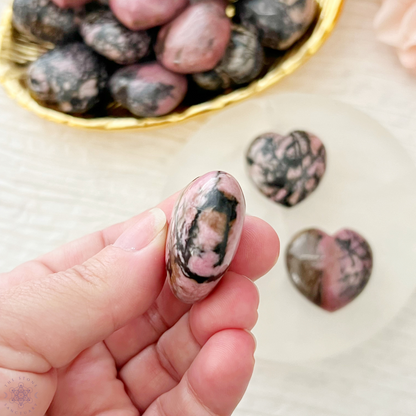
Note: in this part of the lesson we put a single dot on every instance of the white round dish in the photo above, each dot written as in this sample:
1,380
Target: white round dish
369,186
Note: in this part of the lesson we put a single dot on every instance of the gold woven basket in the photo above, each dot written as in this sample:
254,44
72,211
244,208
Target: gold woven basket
17,51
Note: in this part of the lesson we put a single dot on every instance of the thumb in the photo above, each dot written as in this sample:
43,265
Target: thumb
49,321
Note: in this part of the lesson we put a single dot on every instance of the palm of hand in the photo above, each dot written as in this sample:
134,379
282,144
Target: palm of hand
172,357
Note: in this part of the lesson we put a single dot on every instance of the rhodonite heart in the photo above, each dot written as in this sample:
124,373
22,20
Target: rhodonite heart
330,271
287,169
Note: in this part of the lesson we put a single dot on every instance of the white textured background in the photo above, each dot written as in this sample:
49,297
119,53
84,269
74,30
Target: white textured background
57,183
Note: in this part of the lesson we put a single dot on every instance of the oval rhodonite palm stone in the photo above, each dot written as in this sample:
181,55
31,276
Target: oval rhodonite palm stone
287,169
204,235
330,271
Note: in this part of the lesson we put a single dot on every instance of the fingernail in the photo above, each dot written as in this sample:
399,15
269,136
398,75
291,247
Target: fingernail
254,338
257,289
143,232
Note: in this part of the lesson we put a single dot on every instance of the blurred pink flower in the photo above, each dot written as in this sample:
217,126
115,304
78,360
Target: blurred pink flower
395,24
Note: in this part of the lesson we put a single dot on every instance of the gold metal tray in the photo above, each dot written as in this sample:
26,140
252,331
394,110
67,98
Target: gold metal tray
16,51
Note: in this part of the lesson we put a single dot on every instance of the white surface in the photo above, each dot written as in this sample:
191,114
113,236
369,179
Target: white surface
368,176
57,183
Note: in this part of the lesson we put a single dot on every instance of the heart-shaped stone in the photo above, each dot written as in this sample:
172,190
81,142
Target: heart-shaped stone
287,169
331,271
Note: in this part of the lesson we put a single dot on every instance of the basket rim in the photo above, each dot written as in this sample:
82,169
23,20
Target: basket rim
329,15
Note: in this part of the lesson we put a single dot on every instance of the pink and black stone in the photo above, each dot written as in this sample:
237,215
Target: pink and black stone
204,235
107,36
71,4
44,20
242,62
279,23
70,78
196,40
330,271
148,90
287,169
146,14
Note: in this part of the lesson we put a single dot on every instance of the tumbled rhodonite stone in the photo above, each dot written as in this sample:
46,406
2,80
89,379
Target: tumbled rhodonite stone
280,23
204,235
145,14
242,62
44,20
289,168
329,271
196,40
69,78
70,4
148,90
107,36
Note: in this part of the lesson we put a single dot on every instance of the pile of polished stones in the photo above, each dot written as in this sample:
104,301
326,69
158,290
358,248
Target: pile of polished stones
145,55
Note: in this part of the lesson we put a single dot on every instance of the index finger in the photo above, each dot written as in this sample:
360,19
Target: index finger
257,253
80,250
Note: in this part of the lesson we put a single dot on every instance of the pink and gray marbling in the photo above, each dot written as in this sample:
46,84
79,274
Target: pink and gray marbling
145,14
204,235
44,20
107,36
329,271
279,23
70,4
69,78
287,169
148,90
196,40
242,62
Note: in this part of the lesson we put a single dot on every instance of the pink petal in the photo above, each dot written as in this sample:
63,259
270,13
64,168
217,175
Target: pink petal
408,28
389,19
408,57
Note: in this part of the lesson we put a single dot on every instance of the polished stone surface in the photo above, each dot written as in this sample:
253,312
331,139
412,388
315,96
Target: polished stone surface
70,78
204,235
242,62
107,36
330,271
71,4
145,14
280,23
287,169
148,90
196,40
44,20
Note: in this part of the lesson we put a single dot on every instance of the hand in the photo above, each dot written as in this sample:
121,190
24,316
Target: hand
93,329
